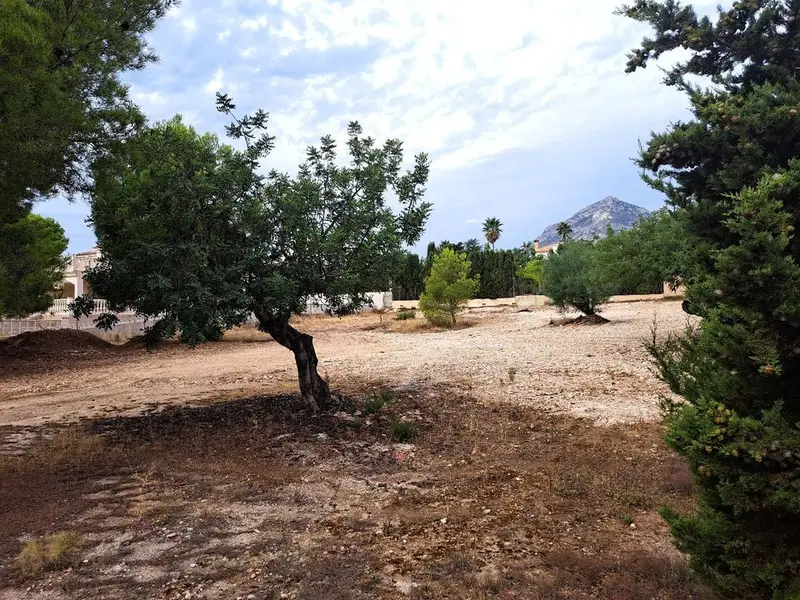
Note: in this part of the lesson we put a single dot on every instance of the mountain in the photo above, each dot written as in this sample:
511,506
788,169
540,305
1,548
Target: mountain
594,219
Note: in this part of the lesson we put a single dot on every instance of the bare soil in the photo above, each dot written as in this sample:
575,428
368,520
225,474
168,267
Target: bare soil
194,474
601,372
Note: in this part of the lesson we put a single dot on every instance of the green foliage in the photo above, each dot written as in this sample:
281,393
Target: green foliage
404,431
63,104
408,280
733,180
106,321
80,307
31,264
570,278
377,401
405,315
447,289
166,253
499,272
193,236
640,259
492,228
532,271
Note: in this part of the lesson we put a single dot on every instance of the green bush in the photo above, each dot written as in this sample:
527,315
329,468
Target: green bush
571,280
640,259
447,289
377,400
405,315
404,431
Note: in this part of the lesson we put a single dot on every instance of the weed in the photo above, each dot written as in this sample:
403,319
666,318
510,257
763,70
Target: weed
405,315
377,400
512,372
51,552
626,519
404,431
71,451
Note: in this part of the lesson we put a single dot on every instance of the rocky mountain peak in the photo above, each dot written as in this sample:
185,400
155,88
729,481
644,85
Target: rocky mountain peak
592,221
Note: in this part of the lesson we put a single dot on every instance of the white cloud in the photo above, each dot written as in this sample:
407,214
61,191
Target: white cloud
254,24
216,82
464,85
189,25
148,99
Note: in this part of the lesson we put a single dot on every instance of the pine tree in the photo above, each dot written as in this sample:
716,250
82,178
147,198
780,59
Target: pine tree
732,177
448,288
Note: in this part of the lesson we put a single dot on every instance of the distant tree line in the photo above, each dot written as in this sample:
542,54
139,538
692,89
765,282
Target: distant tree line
497,271
638,260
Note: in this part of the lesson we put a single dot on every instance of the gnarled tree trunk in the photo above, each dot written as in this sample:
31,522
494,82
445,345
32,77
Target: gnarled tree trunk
313,388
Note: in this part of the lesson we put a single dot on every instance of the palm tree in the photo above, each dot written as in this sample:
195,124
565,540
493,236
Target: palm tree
492,227
564,230
472,244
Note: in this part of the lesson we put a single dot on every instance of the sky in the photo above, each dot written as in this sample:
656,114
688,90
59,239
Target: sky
524,106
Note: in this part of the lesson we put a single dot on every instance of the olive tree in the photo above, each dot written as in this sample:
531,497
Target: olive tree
194,237
571,278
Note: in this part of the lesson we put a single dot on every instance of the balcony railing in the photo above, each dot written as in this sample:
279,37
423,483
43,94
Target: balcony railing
60,306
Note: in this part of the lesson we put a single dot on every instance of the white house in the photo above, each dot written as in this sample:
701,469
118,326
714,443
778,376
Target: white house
74,285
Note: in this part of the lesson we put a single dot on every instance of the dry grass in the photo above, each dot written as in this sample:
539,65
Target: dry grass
491,502
114,337
68,451
55,551
246,333
417,324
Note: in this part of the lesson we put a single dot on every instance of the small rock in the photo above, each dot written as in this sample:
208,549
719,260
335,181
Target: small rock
486,511
405,587
633,525
322,436
443,520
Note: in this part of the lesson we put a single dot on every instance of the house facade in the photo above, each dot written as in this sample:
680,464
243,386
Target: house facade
74,283
543,251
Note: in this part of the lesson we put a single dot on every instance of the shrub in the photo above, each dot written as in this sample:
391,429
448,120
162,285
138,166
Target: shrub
447,289
377,400
51,552
405,315
404,431
640,259
570,279
532,271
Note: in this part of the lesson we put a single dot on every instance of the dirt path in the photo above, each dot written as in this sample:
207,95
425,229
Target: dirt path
596,371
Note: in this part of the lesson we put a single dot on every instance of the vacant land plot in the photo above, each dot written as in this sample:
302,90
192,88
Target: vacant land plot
596,371
191,474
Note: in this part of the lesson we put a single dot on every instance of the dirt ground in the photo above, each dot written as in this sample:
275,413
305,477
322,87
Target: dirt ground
597,371
192,473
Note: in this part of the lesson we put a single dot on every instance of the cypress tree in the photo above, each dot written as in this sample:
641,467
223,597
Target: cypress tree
732,176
